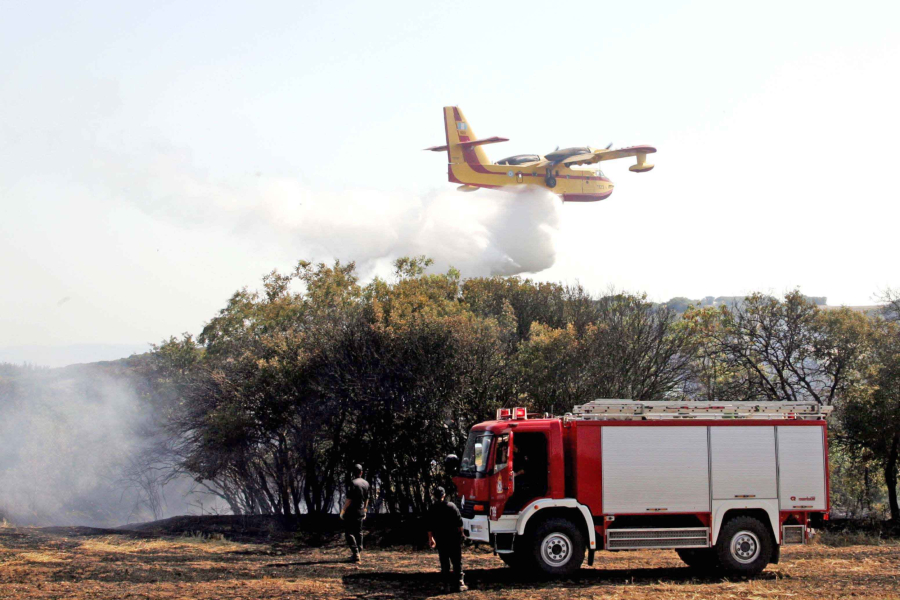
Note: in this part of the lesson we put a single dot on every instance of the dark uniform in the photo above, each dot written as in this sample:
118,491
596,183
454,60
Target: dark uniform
358,496
522,466
522,471
444,523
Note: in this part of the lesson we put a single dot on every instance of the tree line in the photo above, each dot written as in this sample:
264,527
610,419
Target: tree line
289,385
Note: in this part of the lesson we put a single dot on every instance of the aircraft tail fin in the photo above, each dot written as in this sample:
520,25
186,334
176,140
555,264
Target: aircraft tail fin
459,130
462,144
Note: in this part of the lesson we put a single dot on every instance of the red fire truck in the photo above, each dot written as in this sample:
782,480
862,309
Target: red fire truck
723,484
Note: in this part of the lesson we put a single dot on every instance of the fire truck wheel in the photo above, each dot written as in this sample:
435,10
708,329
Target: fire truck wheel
557,547
744,546
701,559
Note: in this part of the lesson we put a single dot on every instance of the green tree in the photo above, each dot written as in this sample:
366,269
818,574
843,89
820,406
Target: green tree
871,416
630,348
769,349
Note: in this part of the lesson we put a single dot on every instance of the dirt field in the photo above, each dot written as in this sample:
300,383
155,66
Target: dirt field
84,563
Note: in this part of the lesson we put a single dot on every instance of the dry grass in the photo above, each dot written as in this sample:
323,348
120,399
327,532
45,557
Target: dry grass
842,539
37,564
198,542
42,557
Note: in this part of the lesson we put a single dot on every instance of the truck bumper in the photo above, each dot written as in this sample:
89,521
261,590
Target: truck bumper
477,529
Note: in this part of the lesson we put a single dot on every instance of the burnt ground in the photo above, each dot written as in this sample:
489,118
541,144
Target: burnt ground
81,562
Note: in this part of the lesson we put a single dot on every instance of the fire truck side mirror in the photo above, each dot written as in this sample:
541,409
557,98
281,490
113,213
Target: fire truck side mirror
451,464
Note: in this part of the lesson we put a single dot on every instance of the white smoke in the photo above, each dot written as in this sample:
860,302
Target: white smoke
481,233
66,437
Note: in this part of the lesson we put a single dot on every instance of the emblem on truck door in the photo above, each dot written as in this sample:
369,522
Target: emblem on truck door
499,485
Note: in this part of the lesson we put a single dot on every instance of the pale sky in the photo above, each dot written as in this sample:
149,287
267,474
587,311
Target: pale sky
155,157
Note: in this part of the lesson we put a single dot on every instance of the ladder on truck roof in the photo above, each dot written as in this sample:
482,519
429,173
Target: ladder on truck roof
633,410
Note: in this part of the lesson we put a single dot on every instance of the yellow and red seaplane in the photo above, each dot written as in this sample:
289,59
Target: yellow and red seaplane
556,171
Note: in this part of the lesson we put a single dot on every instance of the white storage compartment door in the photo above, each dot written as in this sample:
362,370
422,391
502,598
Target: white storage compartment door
743,462
655,469
801,467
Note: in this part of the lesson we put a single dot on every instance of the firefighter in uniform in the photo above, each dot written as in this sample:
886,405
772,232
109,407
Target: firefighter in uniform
445,532
521,479
354,512
522,464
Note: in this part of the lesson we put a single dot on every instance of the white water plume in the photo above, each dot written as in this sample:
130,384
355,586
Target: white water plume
481,233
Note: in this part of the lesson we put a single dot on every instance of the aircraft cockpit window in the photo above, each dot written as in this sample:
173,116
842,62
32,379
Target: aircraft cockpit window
519,159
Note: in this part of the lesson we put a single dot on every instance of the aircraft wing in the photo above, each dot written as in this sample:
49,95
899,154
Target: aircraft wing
490,140
579,159
598,155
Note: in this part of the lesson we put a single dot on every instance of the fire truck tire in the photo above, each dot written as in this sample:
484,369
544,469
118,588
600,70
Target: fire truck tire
701,559
557,547
744,546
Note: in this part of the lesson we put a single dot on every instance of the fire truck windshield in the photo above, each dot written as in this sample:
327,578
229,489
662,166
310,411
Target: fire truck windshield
475,458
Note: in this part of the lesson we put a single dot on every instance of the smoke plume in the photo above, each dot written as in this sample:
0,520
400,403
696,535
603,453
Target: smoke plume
481,233
67,440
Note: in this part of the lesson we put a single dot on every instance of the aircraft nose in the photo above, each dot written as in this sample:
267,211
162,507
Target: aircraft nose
609,190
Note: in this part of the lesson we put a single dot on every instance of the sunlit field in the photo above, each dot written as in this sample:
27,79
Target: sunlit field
85,563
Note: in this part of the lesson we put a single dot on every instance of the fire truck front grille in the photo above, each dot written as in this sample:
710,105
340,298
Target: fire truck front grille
688,537
793,534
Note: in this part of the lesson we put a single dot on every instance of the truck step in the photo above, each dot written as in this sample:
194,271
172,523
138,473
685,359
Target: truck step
633,539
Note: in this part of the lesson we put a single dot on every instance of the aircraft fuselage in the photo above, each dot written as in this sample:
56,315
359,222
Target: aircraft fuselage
573,185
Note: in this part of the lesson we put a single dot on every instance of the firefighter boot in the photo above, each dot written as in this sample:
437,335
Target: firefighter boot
462,584
355,556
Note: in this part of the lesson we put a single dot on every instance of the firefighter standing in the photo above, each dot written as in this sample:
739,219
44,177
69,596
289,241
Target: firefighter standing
354,512
445,532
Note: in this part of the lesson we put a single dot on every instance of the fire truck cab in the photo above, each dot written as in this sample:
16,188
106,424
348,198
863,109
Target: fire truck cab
723,484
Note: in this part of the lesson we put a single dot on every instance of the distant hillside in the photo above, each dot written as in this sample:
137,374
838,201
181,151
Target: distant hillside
680,304
869,310
62,356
